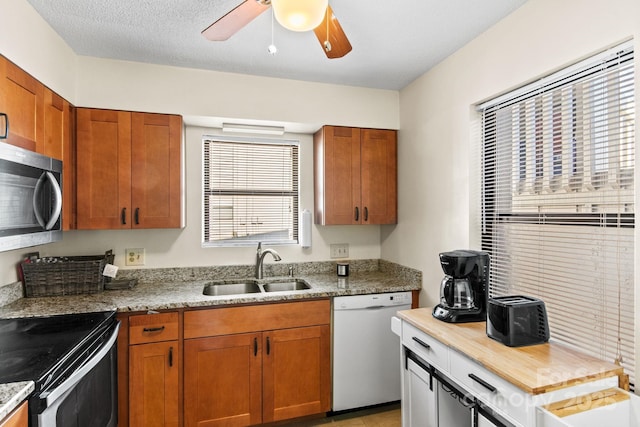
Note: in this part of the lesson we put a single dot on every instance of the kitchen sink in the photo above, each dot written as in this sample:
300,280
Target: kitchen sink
250,286
236,288
289,285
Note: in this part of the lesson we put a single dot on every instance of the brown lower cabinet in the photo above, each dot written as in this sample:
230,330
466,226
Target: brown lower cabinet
18,418
256,364
225,366
248,379
153,384
154,358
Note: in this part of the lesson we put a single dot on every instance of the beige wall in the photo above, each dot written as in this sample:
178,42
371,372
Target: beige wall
202,97
439,134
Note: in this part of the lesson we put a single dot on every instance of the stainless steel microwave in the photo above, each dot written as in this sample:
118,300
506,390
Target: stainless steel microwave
30,198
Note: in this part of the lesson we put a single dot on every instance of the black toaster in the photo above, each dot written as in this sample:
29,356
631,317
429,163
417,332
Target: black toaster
517,320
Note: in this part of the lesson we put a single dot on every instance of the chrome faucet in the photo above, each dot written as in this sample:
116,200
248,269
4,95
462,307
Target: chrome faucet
260,254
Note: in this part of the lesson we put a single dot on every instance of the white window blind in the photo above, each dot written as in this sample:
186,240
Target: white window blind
250,191
558,201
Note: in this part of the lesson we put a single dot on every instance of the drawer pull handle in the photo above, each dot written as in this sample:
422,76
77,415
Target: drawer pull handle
483,383
156,329
422,343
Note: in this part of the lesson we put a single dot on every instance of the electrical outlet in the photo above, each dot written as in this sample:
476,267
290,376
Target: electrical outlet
134,256
339,250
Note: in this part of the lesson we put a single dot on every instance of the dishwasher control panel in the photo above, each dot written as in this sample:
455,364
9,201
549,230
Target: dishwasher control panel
372,301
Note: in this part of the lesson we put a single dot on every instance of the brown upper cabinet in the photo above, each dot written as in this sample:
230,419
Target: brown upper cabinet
128,169
355,176
58,142
22,99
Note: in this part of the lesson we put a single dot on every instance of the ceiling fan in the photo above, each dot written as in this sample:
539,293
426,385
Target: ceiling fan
332,38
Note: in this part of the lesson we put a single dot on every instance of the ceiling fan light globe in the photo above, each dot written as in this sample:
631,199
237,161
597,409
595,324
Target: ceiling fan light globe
299,15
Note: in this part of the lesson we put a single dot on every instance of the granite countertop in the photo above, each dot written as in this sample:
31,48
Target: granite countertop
163,295
12,395
165,289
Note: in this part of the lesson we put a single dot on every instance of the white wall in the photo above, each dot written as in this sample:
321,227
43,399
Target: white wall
439,135
200,96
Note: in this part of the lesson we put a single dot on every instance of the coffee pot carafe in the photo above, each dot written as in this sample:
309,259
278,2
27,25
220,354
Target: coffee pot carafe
463,288
456,293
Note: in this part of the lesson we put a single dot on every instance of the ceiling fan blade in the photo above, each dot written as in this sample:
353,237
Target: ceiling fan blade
338,41
233,21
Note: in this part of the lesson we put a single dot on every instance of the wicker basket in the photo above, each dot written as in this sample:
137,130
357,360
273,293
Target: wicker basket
55,276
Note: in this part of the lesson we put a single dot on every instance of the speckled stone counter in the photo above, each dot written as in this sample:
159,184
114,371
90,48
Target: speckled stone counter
161,289
12,395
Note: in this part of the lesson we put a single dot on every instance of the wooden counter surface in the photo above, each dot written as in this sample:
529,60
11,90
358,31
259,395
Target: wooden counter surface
535,369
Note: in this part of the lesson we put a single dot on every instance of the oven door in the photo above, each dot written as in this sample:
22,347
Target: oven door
88,396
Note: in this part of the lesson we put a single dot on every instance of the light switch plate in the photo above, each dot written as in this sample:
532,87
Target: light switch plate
134,256
339,250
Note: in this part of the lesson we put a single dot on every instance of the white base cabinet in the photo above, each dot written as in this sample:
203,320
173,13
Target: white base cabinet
420,407
442,387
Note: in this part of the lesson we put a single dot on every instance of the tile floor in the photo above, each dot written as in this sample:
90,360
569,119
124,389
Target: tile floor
385,416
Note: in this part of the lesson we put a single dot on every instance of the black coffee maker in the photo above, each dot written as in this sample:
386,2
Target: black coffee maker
464,286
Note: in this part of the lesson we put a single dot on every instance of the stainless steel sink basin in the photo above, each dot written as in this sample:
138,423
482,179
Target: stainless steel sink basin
289,285
237,288
250,286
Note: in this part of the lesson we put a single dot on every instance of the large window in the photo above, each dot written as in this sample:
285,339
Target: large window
558,205
250,191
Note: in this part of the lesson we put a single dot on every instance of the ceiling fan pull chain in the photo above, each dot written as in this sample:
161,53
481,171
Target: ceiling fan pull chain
272,49
327,43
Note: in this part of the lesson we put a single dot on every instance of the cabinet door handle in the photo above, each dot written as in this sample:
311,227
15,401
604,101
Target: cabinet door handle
483,383
156,329
366,213
4,130
357,214
123,216
171,356
422,343
268,346
255,346
136,216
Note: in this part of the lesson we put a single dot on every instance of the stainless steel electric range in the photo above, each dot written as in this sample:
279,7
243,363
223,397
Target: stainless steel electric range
71,359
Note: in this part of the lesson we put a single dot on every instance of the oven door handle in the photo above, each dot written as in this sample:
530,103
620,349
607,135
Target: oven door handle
75,378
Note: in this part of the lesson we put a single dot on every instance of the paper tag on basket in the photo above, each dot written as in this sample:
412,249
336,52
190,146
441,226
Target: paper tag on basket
110,270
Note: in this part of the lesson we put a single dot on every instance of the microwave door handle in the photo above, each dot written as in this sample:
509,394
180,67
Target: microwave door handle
57,199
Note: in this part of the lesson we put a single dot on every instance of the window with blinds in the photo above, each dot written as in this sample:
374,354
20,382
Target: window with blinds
250,191
558,201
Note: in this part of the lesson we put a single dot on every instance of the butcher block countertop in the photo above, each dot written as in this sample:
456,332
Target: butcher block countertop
535,369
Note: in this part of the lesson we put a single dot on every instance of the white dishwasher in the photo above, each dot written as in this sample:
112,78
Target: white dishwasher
366,352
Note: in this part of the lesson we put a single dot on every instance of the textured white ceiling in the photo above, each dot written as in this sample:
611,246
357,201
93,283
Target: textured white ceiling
394,41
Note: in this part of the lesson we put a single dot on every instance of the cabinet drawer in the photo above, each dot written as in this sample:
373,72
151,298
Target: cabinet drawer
425,346
498,394
255,318
148,328
609,407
